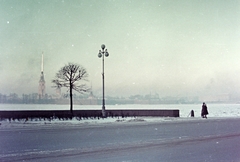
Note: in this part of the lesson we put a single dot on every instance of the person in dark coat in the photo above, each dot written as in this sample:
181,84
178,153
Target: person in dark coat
192,113
204,112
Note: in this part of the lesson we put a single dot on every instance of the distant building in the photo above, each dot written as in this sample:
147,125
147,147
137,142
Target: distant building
41,87
91,96
58,92
225,97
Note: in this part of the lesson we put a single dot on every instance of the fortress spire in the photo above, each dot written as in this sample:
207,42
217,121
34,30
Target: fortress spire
41,87
42,63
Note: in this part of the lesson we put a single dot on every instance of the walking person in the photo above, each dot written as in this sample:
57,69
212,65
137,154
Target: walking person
192,113
204,112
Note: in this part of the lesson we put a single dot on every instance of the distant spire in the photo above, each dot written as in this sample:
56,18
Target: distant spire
41,87
91,92
42,63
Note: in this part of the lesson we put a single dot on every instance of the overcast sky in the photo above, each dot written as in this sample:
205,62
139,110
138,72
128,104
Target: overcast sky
184,47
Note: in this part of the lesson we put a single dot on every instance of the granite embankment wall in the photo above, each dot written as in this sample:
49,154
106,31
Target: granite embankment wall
85,113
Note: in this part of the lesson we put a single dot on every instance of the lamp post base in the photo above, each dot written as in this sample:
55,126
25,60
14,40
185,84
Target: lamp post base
103,112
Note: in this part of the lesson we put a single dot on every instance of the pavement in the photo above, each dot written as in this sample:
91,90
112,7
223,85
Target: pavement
216,139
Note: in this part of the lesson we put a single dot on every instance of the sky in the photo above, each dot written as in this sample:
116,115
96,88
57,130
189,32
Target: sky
173,48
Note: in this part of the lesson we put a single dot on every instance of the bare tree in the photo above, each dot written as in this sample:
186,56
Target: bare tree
70,76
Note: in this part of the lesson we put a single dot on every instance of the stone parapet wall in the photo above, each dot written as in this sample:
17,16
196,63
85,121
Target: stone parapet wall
85,113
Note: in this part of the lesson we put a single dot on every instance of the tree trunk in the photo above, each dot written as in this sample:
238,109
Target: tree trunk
71,100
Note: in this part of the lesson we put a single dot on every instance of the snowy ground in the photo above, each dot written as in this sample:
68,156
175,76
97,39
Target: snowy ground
5,124
88,122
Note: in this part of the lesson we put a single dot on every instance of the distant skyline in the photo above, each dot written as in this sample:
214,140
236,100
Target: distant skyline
173,48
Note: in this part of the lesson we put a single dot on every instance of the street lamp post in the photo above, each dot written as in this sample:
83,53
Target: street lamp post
103,53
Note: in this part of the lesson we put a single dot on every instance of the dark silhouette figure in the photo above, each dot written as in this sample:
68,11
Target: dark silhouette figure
204,112
192,113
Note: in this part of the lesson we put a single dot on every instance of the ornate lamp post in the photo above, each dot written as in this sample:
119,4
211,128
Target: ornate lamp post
103,53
